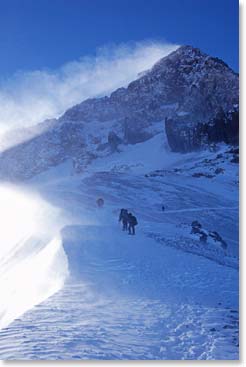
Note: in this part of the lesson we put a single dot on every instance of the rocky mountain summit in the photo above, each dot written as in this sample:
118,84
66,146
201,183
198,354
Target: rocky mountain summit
185,83
185,88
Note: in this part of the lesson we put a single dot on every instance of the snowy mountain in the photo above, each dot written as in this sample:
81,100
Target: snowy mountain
186,87
169,292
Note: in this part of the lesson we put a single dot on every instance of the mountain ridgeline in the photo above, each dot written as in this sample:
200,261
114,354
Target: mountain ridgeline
192,96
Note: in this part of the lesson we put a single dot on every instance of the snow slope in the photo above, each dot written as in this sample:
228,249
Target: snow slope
158,295
30,248
130,299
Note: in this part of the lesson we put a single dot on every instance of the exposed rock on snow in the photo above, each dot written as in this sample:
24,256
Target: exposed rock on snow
204,235
186,86
113,141
185,137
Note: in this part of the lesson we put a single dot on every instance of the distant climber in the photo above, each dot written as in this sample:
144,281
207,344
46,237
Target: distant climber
100,202
132,222
163,208
123,217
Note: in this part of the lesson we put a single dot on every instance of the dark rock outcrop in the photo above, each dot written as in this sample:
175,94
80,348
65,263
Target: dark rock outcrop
217,238
186,137
113,141
204,236
187,87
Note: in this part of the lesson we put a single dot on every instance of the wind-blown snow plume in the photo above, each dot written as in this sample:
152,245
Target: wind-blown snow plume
30,97
30,249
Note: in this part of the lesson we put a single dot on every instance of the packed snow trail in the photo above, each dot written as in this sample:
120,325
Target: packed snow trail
199,209
129,298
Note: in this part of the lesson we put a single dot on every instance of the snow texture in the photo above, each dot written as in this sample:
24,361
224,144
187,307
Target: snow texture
73,284
159,295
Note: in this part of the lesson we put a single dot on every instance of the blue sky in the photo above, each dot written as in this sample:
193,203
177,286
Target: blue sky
44,34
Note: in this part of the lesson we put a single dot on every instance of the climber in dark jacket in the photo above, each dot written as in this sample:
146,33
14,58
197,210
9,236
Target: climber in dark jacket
132,222
124,218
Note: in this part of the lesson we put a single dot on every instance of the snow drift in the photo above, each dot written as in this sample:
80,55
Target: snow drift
32,261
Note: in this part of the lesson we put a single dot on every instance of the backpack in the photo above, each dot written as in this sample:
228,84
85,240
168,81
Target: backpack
134,221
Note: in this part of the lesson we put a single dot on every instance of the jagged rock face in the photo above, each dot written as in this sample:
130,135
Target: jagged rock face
185,137
185,83
186,86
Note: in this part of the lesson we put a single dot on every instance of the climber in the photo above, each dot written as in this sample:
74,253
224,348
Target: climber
123,217
100,202
132,222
